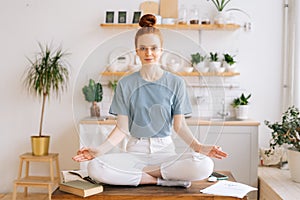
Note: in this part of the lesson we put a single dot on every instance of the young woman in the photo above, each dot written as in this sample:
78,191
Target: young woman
148,104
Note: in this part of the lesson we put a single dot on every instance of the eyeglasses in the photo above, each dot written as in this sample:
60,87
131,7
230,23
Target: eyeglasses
145,49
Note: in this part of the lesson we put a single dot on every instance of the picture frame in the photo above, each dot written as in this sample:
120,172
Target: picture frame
136,17
109,17
122,17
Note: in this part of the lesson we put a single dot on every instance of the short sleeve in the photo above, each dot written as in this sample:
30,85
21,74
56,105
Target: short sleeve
119,105
181,104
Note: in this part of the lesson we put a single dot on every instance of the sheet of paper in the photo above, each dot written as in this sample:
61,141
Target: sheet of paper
228,188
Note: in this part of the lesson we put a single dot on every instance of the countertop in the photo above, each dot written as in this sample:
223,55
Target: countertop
192,121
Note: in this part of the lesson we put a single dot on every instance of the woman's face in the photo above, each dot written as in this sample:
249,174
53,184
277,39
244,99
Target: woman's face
149,48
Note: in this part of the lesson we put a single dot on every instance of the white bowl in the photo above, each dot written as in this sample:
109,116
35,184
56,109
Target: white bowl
187,69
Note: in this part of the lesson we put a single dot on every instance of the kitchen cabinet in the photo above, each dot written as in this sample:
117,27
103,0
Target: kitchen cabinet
238,138
241,144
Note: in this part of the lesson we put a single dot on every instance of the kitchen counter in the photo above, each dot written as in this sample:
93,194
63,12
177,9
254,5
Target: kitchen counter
192,121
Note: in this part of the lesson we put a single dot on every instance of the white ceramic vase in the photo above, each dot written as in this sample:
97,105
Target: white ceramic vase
221,18
241,112
215,66
230,68
294,163
201,67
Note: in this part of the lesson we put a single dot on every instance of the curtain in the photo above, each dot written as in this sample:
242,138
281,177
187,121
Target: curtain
291,53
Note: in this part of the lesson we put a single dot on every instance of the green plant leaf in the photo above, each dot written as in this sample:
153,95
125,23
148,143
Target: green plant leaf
93,92
47,75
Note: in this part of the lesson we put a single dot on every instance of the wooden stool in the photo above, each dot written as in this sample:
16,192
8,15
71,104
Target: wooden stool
37,181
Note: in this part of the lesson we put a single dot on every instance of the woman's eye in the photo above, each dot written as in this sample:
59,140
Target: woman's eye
142,48
154,49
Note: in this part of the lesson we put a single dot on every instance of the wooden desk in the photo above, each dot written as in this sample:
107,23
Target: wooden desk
150,192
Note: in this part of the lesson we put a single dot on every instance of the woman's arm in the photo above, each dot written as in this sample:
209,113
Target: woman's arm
113,139
182,129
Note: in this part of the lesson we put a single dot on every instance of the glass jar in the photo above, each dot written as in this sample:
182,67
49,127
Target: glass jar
182,15
194,15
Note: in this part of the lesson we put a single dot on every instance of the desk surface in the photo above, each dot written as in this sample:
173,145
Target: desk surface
152,192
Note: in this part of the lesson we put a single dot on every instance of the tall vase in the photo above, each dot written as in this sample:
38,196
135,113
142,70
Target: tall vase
95,110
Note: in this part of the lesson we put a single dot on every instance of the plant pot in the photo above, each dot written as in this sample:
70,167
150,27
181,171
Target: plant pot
215,66
201,67
95,110
40,145
294,163
221,18
230,68
241,112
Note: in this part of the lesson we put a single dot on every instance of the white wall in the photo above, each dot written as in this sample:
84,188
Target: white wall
75,24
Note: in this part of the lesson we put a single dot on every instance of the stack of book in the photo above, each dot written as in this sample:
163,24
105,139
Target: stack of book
77,182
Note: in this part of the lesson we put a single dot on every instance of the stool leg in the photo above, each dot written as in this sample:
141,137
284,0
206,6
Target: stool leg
57,169
14,197
49,191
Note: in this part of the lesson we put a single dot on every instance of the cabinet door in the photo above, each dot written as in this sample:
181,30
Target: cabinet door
240,142
92,135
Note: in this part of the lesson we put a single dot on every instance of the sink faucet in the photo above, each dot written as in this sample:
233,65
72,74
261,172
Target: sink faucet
223,113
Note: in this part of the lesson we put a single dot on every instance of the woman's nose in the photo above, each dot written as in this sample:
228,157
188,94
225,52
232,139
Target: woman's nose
148,51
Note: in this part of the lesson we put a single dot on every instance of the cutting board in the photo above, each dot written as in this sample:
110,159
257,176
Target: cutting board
149,7
169,8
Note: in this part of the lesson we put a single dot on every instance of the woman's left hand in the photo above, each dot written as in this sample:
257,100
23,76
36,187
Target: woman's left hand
213,151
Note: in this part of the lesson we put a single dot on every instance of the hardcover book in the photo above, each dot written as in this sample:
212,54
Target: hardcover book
81,188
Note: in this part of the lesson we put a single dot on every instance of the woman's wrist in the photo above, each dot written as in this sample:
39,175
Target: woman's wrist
196,146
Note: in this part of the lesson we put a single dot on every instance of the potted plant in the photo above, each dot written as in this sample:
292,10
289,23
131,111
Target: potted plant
93,93
221,17
47,74
240,104
215,63
287,132
229,62
113,85
198,62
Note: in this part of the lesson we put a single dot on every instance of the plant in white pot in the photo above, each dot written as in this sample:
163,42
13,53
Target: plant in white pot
287,132
240,104
93,93
47,74
198,62
215,64
229,63
221,17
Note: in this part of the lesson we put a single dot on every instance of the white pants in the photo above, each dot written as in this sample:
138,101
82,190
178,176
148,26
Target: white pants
126,168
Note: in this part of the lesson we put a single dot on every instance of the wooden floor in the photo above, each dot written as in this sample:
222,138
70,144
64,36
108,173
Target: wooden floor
21,197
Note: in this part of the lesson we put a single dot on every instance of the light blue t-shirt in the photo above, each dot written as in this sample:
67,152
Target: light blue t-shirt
150,106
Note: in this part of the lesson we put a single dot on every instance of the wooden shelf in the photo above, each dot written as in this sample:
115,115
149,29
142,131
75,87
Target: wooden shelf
227,74
227,27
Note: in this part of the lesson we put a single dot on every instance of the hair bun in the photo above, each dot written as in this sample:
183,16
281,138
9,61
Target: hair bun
147,20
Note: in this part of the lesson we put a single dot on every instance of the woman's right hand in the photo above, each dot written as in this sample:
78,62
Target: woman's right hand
84,154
